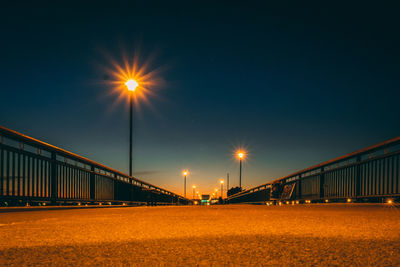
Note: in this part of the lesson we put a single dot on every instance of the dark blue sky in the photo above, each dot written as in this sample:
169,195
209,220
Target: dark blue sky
295,83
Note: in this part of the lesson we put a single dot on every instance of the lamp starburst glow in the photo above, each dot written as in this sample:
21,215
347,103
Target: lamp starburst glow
130,75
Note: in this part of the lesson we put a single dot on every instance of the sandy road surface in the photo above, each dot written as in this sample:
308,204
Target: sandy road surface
332,234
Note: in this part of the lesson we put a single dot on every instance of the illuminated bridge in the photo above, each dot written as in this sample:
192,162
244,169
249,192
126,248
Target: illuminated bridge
32,171
371,174
340,234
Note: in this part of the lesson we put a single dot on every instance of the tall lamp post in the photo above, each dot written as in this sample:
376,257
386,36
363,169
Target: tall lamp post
227,184
240,156
131,85
194,189
222,187
185,173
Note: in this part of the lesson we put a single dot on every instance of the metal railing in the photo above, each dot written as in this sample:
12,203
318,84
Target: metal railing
372,173
31,170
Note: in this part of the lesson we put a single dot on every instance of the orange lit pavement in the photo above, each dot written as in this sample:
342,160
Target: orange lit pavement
333,234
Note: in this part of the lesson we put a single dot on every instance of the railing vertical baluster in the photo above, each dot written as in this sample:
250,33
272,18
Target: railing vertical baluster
41,178
79,186
1,171
71,176
8,174
394,178
299,183
65,180
33,176
392,191
13,174
74,184
24,175
46,176
322,183
53,178
72,181
92,183
115,184
37,177
19,175
28,178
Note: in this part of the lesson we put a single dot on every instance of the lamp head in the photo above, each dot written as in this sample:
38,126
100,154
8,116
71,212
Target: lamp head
131,85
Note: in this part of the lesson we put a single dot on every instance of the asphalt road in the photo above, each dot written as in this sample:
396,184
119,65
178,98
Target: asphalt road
330,234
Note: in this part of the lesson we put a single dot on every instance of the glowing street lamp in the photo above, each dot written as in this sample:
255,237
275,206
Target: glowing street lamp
131,85
240,155
222,187
185,173
194,189
132,81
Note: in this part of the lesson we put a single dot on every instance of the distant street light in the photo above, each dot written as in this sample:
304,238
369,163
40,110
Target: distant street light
240,155
194,189
222,187
185,173
131,85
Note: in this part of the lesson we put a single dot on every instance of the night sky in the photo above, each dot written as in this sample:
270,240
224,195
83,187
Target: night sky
294,83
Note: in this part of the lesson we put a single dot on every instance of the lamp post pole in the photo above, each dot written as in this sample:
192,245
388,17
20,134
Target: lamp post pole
184,186
185,173
240,173
131,85
227,184
130,131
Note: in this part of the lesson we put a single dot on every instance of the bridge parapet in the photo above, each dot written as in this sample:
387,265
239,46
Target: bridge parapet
32,170
372,173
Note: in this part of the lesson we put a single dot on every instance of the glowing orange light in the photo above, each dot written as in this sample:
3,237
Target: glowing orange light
131,84
133,75
185,173
194,187
390,201
221,181
240,155
348,200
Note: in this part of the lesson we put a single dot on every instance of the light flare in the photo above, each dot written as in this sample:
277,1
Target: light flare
133,77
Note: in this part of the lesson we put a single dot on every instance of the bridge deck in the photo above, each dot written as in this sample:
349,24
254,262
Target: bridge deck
341,234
